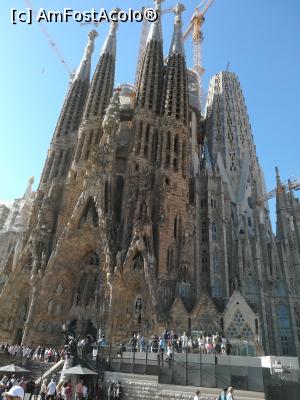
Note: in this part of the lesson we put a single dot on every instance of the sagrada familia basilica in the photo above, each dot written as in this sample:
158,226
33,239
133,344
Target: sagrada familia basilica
148,215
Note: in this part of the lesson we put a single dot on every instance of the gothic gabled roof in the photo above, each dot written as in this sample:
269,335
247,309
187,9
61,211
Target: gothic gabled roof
237,300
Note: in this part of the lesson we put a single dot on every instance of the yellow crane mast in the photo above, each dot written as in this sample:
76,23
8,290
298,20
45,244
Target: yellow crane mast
195,30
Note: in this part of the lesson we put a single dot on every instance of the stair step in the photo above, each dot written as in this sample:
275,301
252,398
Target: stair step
146,387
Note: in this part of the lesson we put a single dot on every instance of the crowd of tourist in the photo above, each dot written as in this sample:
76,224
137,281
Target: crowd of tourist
164,345
13,387
226,394
40,353
169,341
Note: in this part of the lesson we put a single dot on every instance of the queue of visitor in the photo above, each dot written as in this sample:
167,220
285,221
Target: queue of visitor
170,341
40,353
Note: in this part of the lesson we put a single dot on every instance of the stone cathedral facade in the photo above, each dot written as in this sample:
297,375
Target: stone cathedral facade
146,215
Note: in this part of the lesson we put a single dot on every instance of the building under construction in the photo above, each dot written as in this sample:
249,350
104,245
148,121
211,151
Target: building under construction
150,215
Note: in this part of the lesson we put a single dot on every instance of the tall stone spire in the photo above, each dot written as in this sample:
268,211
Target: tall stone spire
84,69
28,192
64,138
175,99
177,40
151,76
101,88
155,32
99,94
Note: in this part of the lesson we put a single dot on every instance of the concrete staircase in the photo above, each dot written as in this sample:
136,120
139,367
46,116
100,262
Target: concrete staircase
145,387
36,368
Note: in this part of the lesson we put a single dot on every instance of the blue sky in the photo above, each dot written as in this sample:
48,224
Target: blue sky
260,39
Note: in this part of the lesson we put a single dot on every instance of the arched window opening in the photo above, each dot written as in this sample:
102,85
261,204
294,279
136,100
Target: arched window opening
176,153
251,286
168,150
203,202
146,145
139,138
247,331
106,197
216,264
213,231
232,331
238,317
204,260
183,273
280,290
204,232
284,327
177,228
216,289
297,317
24,310
222,324
183,158
170,259
256,326
161,150
143,211
154,154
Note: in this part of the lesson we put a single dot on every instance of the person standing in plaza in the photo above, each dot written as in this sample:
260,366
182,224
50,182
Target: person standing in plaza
197,395
51,389
79,390
223,395
230,394
44,389
68,391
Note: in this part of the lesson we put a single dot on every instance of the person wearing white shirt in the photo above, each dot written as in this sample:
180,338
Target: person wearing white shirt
84,392
184,340
197,395
51,390
230,394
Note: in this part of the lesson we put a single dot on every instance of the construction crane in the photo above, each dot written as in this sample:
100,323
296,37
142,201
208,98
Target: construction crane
143,41
195,29
285,187
51,42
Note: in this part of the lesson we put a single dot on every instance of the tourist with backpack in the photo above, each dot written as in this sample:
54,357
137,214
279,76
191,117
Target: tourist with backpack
230,394
223,395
